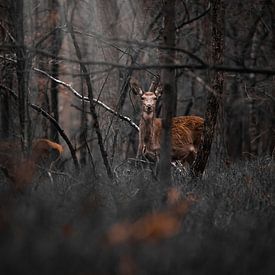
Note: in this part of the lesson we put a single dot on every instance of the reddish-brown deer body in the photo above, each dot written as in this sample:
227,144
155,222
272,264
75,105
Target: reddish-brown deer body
185,132
20,169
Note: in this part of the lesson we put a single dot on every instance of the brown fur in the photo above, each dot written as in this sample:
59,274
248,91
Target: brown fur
185,132
20,169
153,227
185,137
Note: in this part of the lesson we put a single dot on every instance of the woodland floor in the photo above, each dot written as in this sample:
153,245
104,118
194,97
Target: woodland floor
63,226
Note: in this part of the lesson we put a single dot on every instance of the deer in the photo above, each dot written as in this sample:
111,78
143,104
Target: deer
185,130
20,169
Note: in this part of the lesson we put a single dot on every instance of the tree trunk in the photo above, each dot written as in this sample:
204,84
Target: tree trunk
272,120
83,135
213,100
168,78
6,71
83,126
92,106
56,46
22,70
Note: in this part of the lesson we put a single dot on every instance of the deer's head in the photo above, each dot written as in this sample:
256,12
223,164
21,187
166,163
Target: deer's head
148,98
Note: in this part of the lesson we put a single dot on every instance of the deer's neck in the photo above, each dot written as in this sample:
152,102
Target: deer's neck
149,131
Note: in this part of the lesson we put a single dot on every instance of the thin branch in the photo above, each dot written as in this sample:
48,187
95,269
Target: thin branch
144,44
187,71
91,98
186,10
70,88
96,101
60,131
8,33
12,92
200,81
205,66
195,18
52,120
46,36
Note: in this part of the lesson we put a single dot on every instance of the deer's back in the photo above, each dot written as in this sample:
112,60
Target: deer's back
186,129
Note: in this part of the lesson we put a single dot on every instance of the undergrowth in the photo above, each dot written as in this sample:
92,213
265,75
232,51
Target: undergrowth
61,227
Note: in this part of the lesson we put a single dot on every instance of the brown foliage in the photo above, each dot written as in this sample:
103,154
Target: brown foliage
19,168
156,226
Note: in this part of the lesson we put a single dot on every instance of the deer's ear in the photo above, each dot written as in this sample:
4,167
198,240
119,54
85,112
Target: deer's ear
159,90
135,87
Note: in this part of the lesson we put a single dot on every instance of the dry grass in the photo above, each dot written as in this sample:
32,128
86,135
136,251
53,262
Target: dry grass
221,224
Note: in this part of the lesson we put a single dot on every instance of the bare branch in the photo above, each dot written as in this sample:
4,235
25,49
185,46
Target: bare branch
60,131
52,120
195,18
8,33
222,68
70,88
143,44
98,102
200,81
203,66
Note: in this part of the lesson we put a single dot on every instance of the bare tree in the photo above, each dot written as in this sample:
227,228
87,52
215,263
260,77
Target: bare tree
56,39
91,97
213,100
169,95
271,133
127,43
22,71
6,69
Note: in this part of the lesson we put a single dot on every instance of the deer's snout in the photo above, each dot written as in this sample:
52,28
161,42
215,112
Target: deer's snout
148,108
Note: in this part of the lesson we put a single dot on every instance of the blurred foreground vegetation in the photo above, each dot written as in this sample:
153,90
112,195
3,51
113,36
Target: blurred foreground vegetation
67,226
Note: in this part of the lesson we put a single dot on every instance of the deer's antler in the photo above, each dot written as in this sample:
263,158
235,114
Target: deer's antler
154,84
135,86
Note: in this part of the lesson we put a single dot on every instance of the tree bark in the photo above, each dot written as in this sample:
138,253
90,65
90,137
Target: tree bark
22,71
168,79
56,46
213,100
6,70
272,120
21,54
92,105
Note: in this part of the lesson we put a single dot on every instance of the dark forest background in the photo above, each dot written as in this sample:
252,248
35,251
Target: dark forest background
65,68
